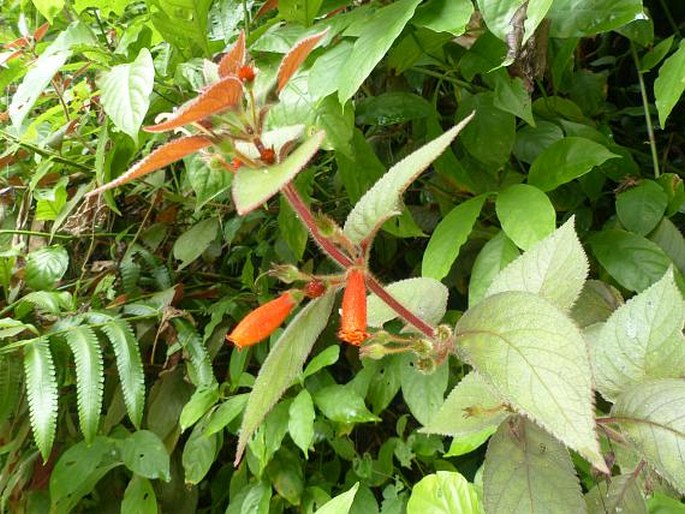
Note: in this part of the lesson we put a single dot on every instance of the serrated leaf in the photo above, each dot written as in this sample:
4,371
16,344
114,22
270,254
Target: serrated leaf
526,214
201,372
234,59
527,470
443,492
129,366
670,84
159,158
341,504
144,453
448,238
283,364
383,200
125,92
296,56
621,495
537,360
555,268
49,301
45,266
251,188
652,416
41,389
472,407
425,297
139,497
193,242
565,160
85,346
301,421
642,339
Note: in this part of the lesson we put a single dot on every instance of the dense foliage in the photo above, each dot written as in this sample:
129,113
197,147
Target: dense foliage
197,196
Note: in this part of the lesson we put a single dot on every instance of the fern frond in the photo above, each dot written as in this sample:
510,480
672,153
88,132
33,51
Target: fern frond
130,367
130,273
201,374
85,346
41,389
49,301
10,380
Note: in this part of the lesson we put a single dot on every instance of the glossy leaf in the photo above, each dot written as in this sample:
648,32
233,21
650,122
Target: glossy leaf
652,416
232,61
493,257
570,19
295,57
143,452
45,266
526,214
341,504
527,470
301,421
656,54
443,492
425,297
641,208
537,360
669,86
216,98
139,497
383,200
159,158
283,364
327,357
41,390
565,160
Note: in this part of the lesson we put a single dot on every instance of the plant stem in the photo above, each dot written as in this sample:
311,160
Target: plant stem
648,117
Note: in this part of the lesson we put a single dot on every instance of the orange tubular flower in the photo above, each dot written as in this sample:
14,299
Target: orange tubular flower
353,317
261,322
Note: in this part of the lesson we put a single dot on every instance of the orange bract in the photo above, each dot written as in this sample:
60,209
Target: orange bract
234,58
293,59
223,94
353,317
261,322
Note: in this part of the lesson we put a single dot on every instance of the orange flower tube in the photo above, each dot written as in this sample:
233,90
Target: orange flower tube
353,317
261,322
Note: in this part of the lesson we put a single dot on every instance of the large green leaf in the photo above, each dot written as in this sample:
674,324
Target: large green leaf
444,492
251,188
425,297
377,36
669,86
448,238
578,18
444,16
641,208
527,470
537,360
283,364
125,92
90,376
565,160
622,494
526,214
342,404
555,268
383,200
493,257
45,266
652,416
182,23
642,339
41,390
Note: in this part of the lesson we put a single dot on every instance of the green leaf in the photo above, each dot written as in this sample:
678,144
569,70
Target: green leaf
10,382
139,497
425,297
595,304
555,268
471,408
182,23
201,372
424,393
144,453
527,470
671,241
512,96
392,108
51,201
340,504
342,404
669,86
448,238
526,214
49,8
490,136
299,11
202,400
444,492
251,188
652,416
90,376
45,266
531,141
537,360
573,19
383,200
49,301
199,453
444,16
466,444
633,261
193,242
656,54
642,339
324,73
129,365
565,160
11,327
377,36
207,182
327,357
493,257
226,412
301,421
105,6
283,364
498,16
41,389
125,92
641,208
622,494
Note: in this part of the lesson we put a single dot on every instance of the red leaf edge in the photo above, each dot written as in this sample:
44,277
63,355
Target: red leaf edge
296,56
233,59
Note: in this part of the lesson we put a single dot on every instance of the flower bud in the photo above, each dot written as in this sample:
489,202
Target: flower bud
246,73
353,317
261,322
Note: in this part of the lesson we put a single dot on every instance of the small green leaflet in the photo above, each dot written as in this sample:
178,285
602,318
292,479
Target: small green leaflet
669,86
49,8
526,214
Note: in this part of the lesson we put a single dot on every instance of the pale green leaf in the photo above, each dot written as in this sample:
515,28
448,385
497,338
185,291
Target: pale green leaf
448,238
144,453
498,15
642,339
537,360
11,327
571,18
652,416
526,214
383,200
669,86
444,492
45,266
49,301
424,393
301,421
621,495
466,444
283,364
251,188
340,504
425,297
565,160
555,268
49,8
324,73
90,376
41,390
105,6
139,497
125,92
193,242
493,257
377,36
527,470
